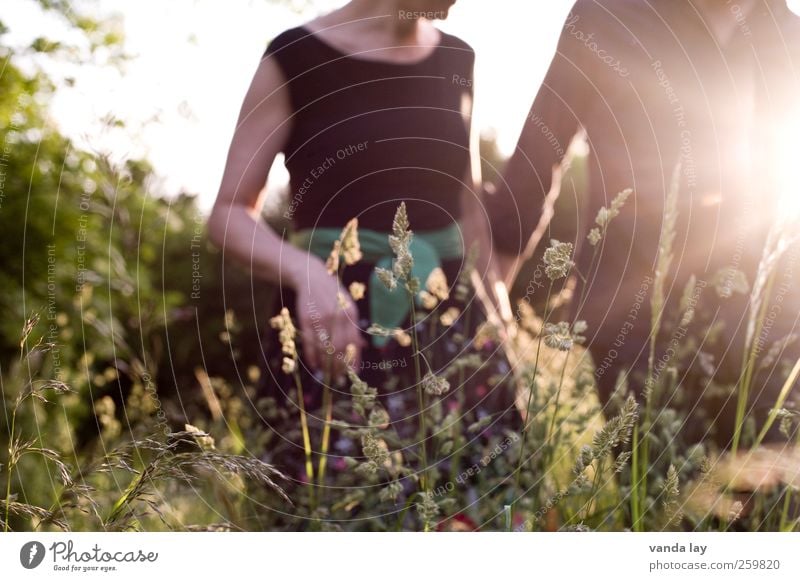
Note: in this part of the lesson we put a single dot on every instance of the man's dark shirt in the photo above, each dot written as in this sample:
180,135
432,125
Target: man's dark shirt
652,87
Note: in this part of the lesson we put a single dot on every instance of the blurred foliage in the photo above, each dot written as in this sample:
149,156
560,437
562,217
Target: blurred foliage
127,297
93,36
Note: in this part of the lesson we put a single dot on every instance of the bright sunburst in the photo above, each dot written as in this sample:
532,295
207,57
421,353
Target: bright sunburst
788,176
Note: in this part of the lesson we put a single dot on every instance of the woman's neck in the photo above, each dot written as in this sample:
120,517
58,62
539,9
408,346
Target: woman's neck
382,17
379,19
379,29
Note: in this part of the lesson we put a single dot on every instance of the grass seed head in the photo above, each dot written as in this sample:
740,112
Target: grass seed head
558,259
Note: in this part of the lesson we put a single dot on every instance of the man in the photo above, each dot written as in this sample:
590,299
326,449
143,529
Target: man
706,84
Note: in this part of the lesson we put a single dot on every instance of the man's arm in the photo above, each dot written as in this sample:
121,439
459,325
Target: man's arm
520,200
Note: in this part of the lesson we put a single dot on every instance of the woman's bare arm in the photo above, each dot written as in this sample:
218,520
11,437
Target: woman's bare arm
235,225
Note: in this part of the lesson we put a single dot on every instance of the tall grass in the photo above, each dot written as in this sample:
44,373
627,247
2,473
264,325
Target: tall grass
567,468
91,495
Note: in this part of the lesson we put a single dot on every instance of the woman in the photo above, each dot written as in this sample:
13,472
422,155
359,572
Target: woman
371,105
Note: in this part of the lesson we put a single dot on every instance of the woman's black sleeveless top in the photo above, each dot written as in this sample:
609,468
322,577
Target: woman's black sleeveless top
367,135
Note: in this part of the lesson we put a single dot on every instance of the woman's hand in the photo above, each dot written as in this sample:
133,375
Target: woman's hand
235,225
327,318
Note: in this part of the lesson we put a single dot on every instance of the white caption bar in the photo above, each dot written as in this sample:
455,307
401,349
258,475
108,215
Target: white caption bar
388,556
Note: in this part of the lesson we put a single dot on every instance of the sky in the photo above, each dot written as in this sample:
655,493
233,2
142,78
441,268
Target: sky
193,60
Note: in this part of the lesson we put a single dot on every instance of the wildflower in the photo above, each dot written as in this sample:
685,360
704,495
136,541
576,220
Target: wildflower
579,528
253,373
288,365
412,285
401,268
368,468
618,430
622,461
399,240
375,449
350,246
485,334
478,426
602,216
357,290
578,328
437,284
363,395
787,421
286,334
332,263
350,353
379,418
606,214
736,511
557,336
729,281
670,493
204,440
434,385
584,460
347,247
560,336
428,509
557,259
428,300
105,413
619,201
379,330
387,277
670,487
30,324
391,491
230,320
449,316
403,339
401,234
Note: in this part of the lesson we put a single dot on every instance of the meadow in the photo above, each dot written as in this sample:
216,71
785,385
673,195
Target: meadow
133,398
